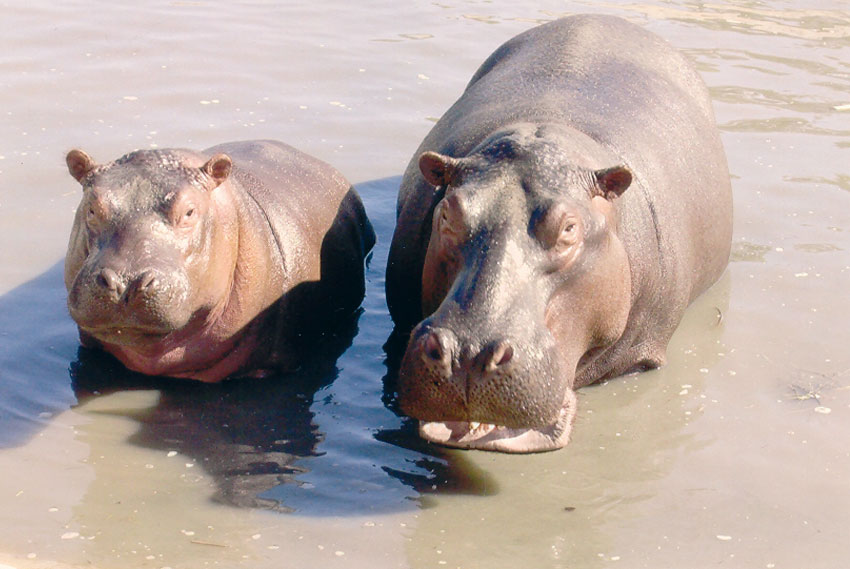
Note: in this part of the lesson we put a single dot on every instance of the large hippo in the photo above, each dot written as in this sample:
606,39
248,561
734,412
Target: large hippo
552,229
210,264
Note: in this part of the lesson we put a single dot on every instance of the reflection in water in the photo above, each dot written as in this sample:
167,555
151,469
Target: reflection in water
247,434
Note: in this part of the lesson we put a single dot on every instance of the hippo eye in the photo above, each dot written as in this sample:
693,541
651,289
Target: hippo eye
187,217
91,216
568,234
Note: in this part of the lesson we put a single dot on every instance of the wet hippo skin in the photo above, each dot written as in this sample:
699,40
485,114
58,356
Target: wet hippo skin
552,229
210,264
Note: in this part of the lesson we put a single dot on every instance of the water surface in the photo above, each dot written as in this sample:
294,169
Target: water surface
735,454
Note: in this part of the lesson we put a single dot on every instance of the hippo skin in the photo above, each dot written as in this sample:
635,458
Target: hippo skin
212,264
552,228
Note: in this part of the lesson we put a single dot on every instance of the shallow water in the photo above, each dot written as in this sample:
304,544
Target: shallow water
734,455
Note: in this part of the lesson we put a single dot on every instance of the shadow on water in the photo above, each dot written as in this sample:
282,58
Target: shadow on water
37,340
324,440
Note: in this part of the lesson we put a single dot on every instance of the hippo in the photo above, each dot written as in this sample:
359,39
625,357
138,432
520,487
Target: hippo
207,265
551,230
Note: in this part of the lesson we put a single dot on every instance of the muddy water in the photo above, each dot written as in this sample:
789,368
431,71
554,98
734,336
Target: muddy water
734,455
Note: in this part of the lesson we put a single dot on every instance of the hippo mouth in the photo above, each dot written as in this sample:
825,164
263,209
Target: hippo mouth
128,335
488,436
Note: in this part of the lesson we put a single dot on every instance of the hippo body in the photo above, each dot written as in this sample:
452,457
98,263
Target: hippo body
211,264
552,228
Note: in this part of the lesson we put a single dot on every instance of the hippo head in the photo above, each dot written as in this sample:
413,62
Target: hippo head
524,279
149,253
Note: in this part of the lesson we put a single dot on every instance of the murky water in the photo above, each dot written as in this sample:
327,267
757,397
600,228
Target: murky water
736,454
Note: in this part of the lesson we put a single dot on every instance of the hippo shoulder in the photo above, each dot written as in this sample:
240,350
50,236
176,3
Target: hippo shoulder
292,188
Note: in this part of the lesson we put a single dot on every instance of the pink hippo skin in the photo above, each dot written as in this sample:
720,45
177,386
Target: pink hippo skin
552,228
212,264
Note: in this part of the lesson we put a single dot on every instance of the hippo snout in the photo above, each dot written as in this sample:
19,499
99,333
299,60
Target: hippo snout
149,300
447,375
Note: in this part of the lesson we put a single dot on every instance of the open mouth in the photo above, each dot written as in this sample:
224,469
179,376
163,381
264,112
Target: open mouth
487,436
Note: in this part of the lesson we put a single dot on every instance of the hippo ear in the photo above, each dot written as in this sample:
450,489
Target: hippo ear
437,169
218,168
612,182
80,164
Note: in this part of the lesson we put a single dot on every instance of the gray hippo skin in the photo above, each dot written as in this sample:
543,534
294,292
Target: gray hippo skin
552,229
210,264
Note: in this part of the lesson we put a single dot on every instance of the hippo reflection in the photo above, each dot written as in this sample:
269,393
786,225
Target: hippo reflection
552,229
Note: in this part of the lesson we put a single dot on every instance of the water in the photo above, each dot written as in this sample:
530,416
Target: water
734,454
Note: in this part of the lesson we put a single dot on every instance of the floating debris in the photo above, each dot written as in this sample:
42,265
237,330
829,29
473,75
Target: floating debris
211,544
724,537
70,535
823,410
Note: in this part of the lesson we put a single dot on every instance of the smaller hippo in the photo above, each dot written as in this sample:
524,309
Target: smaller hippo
212,264
552,228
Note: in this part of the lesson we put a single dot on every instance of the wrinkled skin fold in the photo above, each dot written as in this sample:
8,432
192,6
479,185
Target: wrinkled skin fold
552,228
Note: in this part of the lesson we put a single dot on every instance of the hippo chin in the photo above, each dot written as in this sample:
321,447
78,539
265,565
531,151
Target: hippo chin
205,265
552,229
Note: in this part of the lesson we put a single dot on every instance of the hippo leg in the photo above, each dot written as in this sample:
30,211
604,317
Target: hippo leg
647,355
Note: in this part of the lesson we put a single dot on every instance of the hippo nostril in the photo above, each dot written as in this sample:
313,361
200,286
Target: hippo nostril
433,348
501,353
147,281
109,279
504,353
436,347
